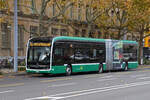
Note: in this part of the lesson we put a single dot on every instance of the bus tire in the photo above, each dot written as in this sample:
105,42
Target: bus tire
68,70
100,69
126,67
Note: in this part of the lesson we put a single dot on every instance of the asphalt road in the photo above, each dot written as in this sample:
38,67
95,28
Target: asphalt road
119,85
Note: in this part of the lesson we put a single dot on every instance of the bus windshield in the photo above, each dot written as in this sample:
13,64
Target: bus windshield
38,55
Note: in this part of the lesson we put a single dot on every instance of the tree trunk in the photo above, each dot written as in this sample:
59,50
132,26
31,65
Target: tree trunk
90,30
119,34
39,25
140,53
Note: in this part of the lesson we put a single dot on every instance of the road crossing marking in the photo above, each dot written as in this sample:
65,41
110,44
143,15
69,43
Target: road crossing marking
135,76
90,91
142,78
6,91
107,79
107,76
45,97
123,73
61,85
93,76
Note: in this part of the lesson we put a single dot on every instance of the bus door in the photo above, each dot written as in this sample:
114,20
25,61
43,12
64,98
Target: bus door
117,54
109,55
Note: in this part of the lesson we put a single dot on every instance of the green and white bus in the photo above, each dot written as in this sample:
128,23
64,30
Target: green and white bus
63,54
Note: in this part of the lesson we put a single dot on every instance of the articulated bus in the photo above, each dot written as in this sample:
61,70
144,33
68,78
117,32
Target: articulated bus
63,54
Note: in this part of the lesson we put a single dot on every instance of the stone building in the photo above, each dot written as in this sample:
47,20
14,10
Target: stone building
73,23
28,24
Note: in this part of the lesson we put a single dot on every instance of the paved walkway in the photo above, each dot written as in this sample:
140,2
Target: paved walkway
9,72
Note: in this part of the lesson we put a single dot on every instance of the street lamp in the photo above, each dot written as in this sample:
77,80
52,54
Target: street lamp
15,37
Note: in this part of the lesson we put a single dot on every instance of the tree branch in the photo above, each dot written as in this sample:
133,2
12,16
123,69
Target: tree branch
30,8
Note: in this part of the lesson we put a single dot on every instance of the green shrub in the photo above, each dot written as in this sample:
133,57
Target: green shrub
0,73
22,63
21,68
146,62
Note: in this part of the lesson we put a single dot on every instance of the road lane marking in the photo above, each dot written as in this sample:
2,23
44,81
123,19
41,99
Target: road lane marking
11,85
91,91
105,90
92,76
61,85
110,76
143,78
7,91
45,97
135,76
107,79
122,73
101,76
54,80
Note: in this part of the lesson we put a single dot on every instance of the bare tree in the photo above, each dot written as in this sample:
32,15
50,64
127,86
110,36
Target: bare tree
44,21
139,20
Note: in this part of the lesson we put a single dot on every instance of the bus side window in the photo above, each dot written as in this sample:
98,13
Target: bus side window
68,55
130,52
97,53
58,56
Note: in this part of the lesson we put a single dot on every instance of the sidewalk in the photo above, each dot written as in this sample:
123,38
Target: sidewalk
10,72
143,66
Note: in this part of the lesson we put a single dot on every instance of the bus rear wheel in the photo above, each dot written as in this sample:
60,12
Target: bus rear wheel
68,70
100,70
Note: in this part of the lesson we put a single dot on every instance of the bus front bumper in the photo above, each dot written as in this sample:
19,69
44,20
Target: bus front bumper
38,71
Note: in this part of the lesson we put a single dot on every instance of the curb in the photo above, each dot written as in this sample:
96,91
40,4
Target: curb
12,74
144,66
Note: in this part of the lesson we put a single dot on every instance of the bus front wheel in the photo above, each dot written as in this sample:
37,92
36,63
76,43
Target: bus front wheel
68,70
100,70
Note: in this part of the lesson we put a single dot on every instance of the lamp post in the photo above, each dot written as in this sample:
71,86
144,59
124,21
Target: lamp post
15,37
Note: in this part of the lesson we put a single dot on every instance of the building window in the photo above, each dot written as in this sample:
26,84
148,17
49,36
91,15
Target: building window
149,42
106,35
54,9
76,32
83,33
20,37
6,36
63,32
112,35
33,31
74,13
19,5
2,4
79,11
43,30
54,31
33,5
99,34
71,12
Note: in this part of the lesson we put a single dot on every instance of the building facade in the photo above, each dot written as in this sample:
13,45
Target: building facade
72,22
